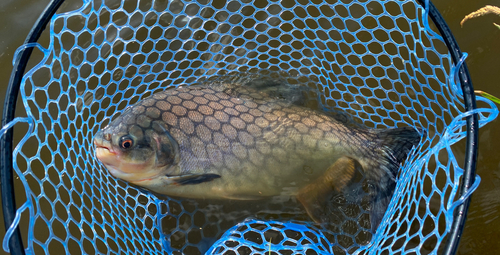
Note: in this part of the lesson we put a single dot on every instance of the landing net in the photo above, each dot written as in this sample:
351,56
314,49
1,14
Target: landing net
378,61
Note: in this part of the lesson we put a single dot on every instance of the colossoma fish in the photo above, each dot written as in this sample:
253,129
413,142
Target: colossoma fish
240,141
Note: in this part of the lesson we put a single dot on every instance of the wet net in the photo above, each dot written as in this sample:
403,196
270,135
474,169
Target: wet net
379,62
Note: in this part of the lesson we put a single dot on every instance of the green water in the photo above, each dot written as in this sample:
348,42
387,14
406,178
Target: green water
479,37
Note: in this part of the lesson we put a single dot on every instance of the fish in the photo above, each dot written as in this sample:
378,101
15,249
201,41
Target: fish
246,141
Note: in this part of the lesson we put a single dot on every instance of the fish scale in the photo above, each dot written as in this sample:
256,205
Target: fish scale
237,141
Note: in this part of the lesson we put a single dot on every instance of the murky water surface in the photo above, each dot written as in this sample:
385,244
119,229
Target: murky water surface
479,37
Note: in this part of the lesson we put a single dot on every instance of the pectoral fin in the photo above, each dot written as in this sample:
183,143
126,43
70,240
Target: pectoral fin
315,196
193,179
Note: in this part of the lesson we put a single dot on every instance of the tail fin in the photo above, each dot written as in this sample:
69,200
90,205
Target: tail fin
347,184
395,145
399,141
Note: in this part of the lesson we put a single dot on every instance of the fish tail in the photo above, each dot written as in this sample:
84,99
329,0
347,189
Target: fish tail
382,162
368,180
399,141
395,145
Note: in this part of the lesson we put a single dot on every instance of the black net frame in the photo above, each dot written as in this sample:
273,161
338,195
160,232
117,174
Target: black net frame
6,141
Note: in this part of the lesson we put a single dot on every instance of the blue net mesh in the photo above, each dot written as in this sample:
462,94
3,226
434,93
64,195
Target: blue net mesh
377,61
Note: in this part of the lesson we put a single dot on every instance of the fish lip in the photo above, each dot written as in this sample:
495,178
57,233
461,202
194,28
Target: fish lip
103,147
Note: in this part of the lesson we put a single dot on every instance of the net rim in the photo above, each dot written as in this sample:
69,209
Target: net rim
6,140
471,147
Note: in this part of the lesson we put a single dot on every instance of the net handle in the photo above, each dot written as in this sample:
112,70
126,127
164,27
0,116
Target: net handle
6,169
471,147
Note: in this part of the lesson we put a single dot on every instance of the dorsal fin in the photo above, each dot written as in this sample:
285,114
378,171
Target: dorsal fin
273,88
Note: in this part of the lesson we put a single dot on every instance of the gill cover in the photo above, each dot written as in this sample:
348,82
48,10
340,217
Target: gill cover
167,148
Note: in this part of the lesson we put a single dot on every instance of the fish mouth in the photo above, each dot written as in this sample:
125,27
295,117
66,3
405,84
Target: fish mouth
111,161
103,150
106,155
128,171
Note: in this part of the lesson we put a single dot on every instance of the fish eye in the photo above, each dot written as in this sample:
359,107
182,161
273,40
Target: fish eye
126,142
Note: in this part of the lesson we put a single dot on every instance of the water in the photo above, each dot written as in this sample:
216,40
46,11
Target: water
16,19
478,37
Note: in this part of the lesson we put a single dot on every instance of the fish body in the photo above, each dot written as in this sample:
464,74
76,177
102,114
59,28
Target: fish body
237,141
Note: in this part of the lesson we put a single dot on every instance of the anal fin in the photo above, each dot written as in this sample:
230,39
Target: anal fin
316,196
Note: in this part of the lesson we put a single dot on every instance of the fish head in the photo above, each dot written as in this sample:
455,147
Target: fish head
136,148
